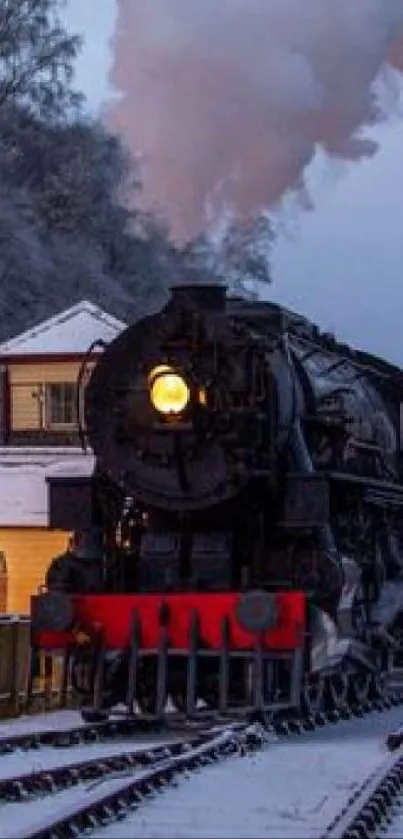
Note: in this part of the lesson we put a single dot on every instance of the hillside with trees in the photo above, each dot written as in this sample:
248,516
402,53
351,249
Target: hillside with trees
65,230
66,186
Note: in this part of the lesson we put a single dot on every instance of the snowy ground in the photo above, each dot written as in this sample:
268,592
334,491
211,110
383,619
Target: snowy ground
15,818
292,788
52,721
50,757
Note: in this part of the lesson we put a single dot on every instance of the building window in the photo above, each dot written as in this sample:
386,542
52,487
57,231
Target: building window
60,401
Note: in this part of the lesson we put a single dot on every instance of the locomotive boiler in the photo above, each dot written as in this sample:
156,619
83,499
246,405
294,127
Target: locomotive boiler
241,536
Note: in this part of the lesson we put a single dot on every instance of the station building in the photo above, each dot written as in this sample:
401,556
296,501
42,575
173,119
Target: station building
40,436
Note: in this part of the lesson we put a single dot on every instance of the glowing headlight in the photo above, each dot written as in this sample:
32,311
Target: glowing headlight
169,392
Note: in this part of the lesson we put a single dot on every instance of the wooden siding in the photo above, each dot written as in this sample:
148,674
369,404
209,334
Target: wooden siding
3,582
52,371
4,405
26,382
28,552
25,410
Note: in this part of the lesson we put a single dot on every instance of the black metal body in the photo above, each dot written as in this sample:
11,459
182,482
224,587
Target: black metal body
284,471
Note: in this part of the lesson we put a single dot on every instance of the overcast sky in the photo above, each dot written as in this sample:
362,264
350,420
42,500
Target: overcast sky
341,263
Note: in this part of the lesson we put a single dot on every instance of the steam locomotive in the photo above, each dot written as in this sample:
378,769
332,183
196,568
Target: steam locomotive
240,542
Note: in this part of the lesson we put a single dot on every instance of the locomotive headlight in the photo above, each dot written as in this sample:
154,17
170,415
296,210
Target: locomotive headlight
169,392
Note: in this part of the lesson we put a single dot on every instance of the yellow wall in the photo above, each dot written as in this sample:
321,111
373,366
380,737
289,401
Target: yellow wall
24,380
28,551
25,411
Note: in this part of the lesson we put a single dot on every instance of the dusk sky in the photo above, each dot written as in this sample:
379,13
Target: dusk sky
340,263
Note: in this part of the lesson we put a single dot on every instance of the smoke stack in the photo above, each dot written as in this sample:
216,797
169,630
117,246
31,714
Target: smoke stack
200,297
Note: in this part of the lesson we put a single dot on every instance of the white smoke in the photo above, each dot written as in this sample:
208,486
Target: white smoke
228,100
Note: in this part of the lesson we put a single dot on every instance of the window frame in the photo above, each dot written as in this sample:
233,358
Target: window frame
63,406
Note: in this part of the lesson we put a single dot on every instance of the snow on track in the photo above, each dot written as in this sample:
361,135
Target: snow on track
41,815
52,721
395,829
291,788
16,819
51,757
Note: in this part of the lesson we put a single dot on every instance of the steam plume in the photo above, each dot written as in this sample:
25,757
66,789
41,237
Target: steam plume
226,101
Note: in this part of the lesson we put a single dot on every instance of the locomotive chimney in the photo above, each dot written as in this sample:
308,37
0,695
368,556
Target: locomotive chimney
207,297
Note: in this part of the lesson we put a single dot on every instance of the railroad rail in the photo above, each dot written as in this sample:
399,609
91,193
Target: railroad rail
175,723
59,737
108,731
370,808
124,794
118,783
45,781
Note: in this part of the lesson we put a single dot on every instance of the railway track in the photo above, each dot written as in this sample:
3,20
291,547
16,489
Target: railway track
121,781
103,732
136,777
369,811
51,780
173,723
292,788
75,735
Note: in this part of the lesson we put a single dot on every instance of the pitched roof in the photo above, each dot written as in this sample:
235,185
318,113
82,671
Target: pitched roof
71,331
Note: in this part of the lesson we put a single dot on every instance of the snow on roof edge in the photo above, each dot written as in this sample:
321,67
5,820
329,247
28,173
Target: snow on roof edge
24,498
84,306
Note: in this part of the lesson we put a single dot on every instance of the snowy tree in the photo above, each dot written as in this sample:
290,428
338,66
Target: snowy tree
86,174
73,176
66,230
36,57
24,261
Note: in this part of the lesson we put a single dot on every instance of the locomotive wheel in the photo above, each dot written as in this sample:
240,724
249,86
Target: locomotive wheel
208,686
378,681
313,693
94,715
82,675
115,680
360,685
377,685
147,687
398,654
177,681
337,691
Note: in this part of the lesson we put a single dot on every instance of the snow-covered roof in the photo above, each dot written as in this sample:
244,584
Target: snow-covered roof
71,331
24,490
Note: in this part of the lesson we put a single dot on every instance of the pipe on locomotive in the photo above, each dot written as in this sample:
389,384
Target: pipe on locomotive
303,461
302,458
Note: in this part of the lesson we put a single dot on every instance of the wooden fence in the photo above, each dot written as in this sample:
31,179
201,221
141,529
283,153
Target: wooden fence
29,683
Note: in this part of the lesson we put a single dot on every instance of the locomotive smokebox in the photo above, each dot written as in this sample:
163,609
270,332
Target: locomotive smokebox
201,297
168,406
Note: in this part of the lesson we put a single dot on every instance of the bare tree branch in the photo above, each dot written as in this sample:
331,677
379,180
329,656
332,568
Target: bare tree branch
36,57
